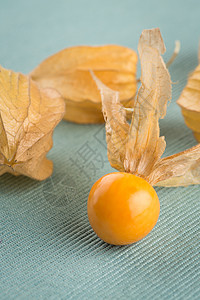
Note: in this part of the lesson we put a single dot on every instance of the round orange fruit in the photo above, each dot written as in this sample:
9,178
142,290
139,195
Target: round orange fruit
122,208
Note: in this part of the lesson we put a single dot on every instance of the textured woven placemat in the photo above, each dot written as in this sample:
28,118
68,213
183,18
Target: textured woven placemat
47,249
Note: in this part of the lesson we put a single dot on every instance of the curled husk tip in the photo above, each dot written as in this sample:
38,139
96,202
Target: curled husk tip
137,147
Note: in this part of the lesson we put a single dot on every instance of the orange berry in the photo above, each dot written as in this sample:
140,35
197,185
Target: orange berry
122,208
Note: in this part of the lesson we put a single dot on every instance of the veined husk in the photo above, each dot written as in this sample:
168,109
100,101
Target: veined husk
137,148
189,101
28,117
68,72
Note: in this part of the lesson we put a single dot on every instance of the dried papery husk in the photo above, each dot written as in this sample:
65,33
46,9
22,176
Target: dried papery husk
181,169
68,72
28,116
189,101
137,148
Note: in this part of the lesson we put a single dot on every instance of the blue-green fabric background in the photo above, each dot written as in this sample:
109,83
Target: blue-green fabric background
47,249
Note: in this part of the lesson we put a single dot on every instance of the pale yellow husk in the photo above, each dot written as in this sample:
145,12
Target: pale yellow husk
68,72
28,116
189,101
137,148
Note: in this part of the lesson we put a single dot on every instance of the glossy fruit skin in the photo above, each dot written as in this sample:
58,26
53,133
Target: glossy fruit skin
122,208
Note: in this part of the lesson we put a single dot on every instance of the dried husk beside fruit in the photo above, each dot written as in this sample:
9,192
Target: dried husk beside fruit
189,101
68,72
28,116
137,148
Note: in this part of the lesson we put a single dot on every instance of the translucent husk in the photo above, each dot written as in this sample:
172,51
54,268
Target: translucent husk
28,116
68,72
137,148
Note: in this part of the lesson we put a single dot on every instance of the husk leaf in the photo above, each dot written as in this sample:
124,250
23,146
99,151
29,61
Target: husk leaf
28,116
189,101
68,72
137,148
